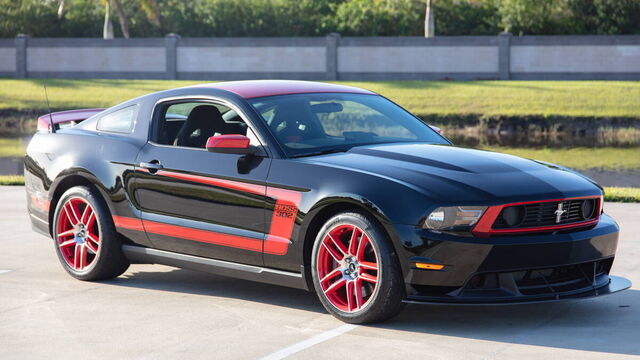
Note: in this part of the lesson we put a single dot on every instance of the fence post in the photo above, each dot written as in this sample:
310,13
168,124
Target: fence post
504,56
171,51
21,56
332,56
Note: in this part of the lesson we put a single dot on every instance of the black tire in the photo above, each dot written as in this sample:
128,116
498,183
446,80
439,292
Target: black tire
386,300
109,261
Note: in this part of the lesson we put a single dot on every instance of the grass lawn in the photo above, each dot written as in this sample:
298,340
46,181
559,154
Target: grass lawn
605,158
561,98
11,180
12,147
615,194
621,194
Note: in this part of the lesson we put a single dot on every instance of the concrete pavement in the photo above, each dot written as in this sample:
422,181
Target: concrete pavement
160,312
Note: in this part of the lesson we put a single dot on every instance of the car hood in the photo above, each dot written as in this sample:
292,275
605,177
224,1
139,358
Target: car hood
450,174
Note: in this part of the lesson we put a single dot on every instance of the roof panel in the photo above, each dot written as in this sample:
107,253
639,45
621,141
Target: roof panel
258,88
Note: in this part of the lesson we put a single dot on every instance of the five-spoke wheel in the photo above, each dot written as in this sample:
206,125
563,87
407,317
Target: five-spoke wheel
78,233
347,267
355,269
86,240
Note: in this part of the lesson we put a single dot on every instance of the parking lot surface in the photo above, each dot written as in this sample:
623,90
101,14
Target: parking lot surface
155,311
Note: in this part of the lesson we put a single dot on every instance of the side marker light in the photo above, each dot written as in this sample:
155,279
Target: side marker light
426,266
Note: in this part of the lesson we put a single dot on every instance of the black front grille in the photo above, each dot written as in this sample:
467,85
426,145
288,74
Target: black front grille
540,282
546,214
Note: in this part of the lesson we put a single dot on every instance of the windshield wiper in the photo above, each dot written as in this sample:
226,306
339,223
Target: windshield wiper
323,152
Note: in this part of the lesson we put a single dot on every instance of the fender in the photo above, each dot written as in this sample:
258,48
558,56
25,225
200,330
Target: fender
72,153
341,198
85,174
309,223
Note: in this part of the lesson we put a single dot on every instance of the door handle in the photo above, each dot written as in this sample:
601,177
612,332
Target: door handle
152,166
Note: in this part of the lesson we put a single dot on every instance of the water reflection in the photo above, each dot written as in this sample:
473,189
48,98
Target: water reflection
11,154
619,138
11,166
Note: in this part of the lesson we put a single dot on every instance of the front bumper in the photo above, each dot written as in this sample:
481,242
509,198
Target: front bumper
614,284
511,269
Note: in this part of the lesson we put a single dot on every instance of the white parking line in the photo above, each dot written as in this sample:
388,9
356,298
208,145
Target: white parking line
4,271
305,344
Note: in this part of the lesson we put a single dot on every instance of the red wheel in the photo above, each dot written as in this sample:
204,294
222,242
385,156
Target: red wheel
85,238
78,234
355,269
347,266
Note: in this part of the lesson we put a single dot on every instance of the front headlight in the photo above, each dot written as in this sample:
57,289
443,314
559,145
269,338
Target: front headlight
459,218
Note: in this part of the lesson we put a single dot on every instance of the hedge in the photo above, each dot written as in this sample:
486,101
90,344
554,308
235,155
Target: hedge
205,18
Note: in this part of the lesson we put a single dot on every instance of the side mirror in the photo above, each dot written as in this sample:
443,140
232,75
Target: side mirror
436,129
229,144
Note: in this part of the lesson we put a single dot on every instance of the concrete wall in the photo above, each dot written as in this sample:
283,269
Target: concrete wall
7,57
246,58
417,58
328,58
538,57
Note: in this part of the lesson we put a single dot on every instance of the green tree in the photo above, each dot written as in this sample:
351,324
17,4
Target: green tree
467,17
148,7
604,16
379,17
207,18
522,17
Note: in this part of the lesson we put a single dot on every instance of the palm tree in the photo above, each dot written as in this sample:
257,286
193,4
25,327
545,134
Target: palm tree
107,28
429,21
122,17
62,7
150,8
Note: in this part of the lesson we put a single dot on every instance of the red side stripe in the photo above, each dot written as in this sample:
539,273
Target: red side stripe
40,203
128,223
205,236
210,237
229,184
282,221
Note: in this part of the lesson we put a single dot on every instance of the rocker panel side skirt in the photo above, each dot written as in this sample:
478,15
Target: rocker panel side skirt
143,255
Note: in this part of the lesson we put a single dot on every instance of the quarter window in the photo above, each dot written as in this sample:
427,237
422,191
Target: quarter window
120,121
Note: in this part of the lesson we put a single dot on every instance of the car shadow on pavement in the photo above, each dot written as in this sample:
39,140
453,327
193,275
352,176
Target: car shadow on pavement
610,324
198,283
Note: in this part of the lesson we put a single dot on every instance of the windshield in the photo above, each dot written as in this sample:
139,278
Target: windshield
307,124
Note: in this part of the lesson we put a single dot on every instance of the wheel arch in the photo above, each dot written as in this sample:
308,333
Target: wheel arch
322,211
66,181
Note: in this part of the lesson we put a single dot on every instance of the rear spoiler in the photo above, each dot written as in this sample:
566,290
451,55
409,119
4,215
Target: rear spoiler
62,119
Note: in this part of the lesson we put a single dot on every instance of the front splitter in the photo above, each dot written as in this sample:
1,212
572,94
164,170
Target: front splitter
616,284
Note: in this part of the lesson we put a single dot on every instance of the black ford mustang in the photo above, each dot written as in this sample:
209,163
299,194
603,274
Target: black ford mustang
316,186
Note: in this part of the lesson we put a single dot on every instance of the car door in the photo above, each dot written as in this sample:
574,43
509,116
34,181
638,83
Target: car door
198,202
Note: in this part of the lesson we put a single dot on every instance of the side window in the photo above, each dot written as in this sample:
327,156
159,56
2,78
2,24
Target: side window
120,121
191,123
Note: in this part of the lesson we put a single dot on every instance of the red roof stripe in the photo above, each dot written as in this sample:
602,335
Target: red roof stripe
258,88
